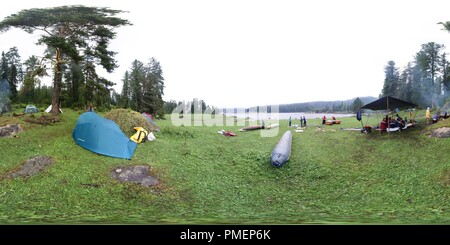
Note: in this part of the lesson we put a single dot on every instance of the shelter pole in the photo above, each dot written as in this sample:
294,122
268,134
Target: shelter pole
387,110
377,118
414,119
367,120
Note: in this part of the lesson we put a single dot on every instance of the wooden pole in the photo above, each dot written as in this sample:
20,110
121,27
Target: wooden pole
387,110
414,119
377,119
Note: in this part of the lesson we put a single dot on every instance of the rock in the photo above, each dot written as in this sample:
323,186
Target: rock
31,167
135,174
443,132
10,130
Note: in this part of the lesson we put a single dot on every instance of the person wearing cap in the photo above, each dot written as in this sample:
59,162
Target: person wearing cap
428,115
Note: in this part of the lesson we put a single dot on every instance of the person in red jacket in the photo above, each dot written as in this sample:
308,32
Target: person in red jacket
324,119
383,126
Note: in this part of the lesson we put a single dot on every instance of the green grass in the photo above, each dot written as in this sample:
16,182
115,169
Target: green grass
333,176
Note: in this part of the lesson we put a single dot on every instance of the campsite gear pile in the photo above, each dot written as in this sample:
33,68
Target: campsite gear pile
142,135
366,129
226,133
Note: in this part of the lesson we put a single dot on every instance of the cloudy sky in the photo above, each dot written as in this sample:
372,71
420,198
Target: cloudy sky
240,53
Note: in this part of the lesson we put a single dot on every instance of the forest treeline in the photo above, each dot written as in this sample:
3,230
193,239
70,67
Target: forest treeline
77,42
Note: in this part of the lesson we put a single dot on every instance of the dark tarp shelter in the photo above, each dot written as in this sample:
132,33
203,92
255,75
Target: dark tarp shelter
388,103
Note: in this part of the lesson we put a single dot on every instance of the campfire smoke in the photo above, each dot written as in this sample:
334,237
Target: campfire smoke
5,93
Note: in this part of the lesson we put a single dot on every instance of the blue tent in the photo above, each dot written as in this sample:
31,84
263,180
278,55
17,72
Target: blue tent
31,109
102,136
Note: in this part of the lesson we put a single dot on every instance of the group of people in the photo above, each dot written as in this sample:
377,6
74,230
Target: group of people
302,121
389,122
324,119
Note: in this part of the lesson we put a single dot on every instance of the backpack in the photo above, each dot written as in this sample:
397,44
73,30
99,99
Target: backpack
141,135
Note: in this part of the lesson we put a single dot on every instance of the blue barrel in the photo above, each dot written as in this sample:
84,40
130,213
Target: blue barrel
282,151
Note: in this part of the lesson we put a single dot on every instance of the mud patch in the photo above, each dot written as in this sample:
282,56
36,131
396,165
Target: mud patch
135,174
445,177
319,130
43,120
31,167
10,130
443,132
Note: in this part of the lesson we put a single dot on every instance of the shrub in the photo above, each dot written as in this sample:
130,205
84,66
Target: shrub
177,131
21,106
128,119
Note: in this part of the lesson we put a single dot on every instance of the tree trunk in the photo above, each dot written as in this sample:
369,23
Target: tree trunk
57,80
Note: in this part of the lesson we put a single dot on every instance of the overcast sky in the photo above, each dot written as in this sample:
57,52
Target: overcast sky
240,53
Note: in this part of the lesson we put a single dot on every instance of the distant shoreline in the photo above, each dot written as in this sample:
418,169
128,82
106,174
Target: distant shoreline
286,115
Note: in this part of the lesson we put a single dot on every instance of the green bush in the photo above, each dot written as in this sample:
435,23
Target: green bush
128,119
20,106
177,131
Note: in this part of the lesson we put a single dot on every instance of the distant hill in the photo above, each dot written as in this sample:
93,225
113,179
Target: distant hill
321,106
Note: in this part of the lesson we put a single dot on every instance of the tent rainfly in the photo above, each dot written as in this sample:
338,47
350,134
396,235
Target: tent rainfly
388,103
149,118
49,109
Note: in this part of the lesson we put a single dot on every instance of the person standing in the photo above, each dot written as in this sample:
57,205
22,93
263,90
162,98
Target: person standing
324,119
91,108
301,121
304,121
428,115
290,121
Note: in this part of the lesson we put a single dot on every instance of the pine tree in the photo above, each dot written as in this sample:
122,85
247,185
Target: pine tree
390,87
153,89
427,60
15,74
33,71
137,77
68,30
357,103
125,101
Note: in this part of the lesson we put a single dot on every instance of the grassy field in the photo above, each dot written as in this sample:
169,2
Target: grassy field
333,176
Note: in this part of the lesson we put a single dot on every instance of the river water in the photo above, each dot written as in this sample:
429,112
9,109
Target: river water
285,115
